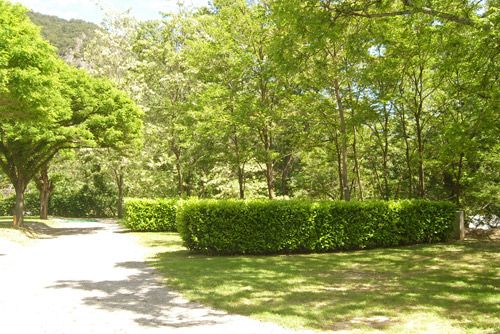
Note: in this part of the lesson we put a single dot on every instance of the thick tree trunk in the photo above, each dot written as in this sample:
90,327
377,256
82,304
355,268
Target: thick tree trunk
45,187
19,208
343,146
44,204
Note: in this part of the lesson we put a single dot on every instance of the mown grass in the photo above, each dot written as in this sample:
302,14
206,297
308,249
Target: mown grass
23,235
443,288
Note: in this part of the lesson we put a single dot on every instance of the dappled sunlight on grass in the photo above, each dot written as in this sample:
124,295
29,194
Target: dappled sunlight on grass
427,288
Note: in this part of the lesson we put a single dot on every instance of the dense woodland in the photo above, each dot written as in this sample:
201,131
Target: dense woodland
315,99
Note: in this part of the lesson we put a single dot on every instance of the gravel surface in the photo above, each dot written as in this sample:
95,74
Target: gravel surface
88,277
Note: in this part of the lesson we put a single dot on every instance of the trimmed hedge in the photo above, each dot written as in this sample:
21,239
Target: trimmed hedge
77,204
150,215
31,205
268,227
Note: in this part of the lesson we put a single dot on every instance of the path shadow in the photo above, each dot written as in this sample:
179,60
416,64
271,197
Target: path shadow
145,295
44,231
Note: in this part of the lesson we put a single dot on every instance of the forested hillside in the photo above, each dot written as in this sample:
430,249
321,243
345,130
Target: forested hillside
62,33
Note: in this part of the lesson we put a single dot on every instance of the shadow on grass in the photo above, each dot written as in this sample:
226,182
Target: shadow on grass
39,230
141,293
457,283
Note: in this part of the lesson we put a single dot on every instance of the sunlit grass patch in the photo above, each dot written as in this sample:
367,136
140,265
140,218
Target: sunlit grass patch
443,288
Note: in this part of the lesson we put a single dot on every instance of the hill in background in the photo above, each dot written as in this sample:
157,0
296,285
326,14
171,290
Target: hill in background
63,34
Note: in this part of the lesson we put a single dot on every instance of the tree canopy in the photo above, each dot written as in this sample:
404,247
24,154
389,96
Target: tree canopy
48,106
317,99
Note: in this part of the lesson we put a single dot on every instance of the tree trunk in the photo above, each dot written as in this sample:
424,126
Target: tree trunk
407,155
339,166
385,155
120,185
458,185
240,168
420,146
45,187
356,165
19,208
180,179
285,174
343,146
241,181
270,179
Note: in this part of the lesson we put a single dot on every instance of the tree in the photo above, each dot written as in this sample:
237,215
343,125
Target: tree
29,82
97,115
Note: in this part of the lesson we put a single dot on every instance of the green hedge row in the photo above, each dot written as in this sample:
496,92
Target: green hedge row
76,204
267,227
31,205
150,215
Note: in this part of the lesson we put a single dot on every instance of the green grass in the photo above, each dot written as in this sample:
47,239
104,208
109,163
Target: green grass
22,236
33,228
443,288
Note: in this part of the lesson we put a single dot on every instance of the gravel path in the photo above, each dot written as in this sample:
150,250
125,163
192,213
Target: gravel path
89,278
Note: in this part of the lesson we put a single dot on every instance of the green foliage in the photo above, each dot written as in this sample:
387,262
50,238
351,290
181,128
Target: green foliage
266,227
151,215
6,206
84,202
29,83
88,201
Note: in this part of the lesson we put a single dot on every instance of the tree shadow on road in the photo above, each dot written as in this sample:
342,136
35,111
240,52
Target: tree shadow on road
39,230
143,294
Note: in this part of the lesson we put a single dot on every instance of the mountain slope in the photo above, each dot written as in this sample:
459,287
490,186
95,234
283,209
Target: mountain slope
61,33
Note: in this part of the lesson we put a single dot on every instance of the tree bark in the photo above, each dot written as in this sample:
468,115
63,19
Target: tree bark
407,154
356,164
19,208
120,185
241,181
339,166
180,179
270,179
343,146
45,187
285,174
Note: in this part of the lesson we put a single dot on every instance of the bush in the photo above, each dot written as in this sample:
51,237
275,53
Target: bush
31,205
150,215
267,227
77,204
7,205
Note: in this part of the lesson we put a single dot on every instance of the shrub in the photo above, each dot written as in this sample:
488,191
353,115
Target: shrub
84,202
7,205
150,215
31,205
267,227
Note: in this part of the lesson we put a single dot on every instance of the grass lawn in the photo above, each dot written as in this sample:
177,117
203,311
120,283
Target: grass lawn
444,288
33,229
22,236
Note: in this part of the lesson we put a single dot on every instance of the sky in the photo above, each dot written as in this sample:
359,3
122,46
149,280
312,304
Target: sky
94,10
